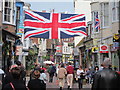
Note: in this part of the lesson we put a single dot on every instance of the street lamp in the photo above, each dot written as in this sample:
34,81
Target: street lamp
119,36
119,49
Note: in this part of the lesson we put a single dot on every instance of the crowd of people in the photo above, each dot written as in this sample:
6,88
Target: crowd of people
100,78
15,79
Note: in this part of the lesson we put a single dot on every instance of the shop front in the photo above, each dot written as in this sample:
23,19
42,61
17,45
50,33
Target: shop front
8,49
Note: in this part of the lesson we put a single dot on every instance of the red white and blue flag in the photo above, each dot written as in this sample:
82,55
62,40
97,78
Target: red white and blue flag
54,25
97,22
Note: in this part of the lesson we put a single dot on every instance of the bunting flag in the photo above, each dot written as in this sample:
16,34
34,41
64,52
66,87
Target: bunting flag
54,25
97,22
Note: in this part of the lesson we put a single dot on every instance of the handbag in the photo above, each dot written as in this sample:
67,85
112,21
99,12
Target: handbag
82,76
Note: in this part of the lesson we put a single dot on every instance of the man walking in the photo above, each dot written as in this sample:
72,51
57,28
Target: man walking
61,76
106,79
70,71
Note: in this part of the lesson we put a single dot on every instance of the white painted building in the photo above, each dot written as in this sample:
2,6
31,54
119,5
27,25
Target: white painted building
82,7
66,49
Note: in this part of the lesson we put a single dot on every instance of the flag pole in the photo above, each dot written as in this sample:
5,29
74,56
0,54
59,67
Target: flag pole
101,36
53,42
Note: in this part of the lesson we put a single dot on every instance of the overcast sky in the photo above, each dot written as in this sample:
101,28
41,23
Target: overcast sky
57,5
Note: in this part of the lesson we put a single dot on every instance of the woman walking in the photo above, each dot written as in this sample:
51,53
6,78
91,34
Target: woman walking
15,82
43,76
80,74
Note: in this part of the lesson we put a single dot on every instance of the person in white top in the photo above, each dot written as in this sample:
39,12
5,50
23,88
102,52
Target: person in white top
80,74
43,76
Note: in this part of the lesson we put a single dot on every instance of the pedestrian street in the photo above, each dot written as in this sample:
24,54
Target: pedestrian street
55,86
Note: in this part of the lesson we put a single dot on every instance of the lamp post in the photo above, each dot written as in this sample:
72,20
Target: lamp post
119,48
119,36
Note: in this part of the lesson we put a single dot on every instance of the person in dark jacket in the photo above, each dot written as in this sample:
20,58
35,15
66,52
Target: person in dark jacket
51,71
106,79
23,72
15,83
8,76
36,84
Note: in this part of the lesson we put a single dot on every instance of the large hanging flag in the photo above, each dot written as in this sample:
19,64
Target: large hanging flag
97,22
54,25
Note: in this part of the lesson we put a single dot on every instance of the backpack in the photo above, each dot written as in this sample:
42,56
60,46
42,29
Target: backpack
53,69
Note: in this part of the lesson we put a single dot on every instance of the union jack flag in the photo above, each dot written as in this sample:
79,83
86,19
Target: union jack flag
54,25
97,22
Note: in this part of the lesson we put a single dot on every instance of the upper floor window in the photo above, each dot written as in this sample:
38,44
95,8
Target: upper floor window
115,10
18,13
9,11
89,30
104,14
96,22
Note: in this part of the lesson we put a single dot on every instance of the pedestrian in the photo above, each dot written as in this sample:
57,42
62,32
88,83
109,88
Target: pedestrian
101,67
36,83
106,79
1,73
43,76
95,70
36,67
51,71
23,71
80,74
61,76
70,72
16,83
57,68
8,77
86,75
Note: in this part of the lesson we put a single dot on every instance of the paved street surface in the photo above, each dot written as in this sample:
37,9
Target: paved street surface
55,86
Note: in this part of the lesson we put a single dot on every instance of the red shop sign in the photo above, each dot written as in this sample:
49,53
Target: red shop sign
103,49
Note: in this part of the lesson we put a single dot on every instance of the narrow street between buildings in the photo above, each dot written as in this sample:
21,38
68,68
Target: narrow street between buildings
54,85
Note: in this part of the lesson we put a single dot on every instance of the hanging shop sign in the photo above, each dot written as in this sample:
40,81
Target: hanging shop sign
95,49
58,49
103,49
116,38
10,38
19,50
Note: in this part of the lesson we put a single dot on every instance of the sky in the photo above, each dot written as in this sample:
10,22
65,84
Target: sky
48,5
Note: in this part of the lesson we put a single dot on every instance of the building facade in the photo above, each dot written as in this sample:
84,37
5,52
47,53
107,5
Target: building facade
82,7
8,35
108,12
101,45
